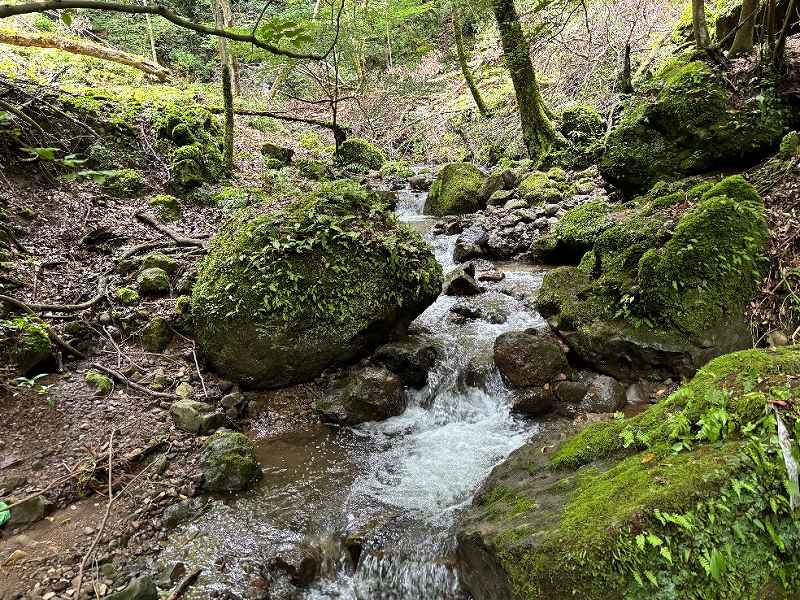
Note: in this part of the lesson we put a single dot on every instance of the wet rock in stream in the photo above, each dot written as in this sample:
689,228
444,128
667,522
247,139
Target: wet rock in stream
369,393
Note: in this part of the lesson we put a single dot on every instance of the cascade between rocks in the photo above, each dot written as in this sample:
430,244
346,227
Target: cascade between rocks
378,503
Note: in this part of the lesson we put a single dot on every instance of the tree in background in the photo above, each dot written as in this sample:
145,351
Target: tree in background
699,25
458,34
538,131
743,41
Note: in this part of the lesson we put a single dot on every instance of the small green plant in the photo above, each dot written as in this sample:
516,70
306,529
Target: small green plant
32,383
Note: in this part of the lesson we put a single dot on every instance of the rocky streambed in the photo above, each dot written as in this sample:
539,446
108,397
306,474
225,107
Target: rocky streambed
371,511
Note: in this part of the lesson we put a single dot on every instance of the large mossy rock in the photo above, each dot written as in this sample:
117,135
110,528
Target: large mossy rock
686,500
456,191
357,152
24,344
288,291
687,120
653,297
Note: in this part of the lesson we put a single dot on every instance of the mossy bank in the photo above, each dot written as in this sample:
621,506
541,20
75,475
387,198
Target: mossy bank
690,499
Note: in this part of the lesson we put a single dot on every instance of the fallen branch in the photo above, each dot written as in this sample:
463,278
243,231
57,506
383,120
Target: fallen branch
340,131
135,386
184,584
178,239
54,337
143,248
85,48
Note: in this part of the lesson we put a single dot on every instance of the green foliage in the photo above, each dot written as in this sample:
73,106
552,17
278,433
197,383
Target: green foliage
232,198
790,145
397,168
123,183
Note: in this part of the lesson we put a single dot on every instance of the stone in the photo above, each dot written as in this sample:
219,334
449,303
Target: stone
571,392
500,197
604,395
311,306
196,417
529,359
184,390
160,261
141,588
469,243
232,400
153,282
301,562
29,512
410,359
514,204
229,463
461,282
180,512
366,394
456,191
420,183
478,372
278,153
156,335
532,401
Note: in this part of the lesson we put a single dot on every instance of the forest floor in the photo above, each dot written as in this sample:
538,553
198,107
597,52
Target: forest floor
56,435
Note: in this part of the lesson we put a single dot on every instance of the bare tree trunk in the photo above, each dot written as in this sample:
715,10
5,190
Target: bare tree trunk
15,38
227,20
780,44
150,35
537,128
699,25
743,42
227,97
462,60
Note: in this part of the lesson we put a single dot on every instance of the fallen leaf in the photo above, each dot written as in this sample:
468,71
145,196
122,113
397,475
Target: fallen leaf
14,557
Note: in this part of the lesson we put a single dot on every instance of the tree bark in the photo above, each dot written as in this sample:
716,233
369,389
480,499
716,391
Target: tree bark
537,128
462,60
227,97
85,48
699,25
780,44
227,22
743,41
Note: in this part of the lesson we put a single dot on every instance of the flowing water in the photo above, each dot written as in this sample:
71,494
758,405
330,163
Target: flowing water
397,485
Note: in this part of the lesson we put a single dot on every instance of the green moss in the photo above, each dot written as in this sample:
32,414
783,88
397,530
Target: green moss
160,261
397,168
620,248
127,296
123,183
273,164
790,145
195,164
315,170
456,191
687,116
640,508
544,187
100,382
166,207
183,305
359,152
576,232
153,281
712,264
229,462
321,267
24,343
569,293
582,129
279,155
232,198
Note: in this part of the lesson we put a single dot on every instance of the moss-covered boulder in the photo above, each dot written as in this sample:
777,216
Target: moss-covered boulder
229,463
689,499
582,130
357,152
166,207
281,154
290,289
574,234
654,297
156,335
542,187
316,170
687,119
153,281
127,296
24,344
456,191
102,383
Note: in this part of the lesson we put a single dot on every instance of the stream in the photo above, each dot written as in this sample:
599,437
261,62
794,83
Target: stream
397,486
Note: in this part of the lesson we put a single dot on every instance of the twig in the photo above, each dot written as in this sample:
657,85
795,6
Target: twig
184,584
143,247
124,380
178,239
111,499
54,337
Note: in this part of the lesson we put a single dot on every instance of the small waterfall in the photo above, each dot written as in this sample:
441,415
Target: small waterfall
395,486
